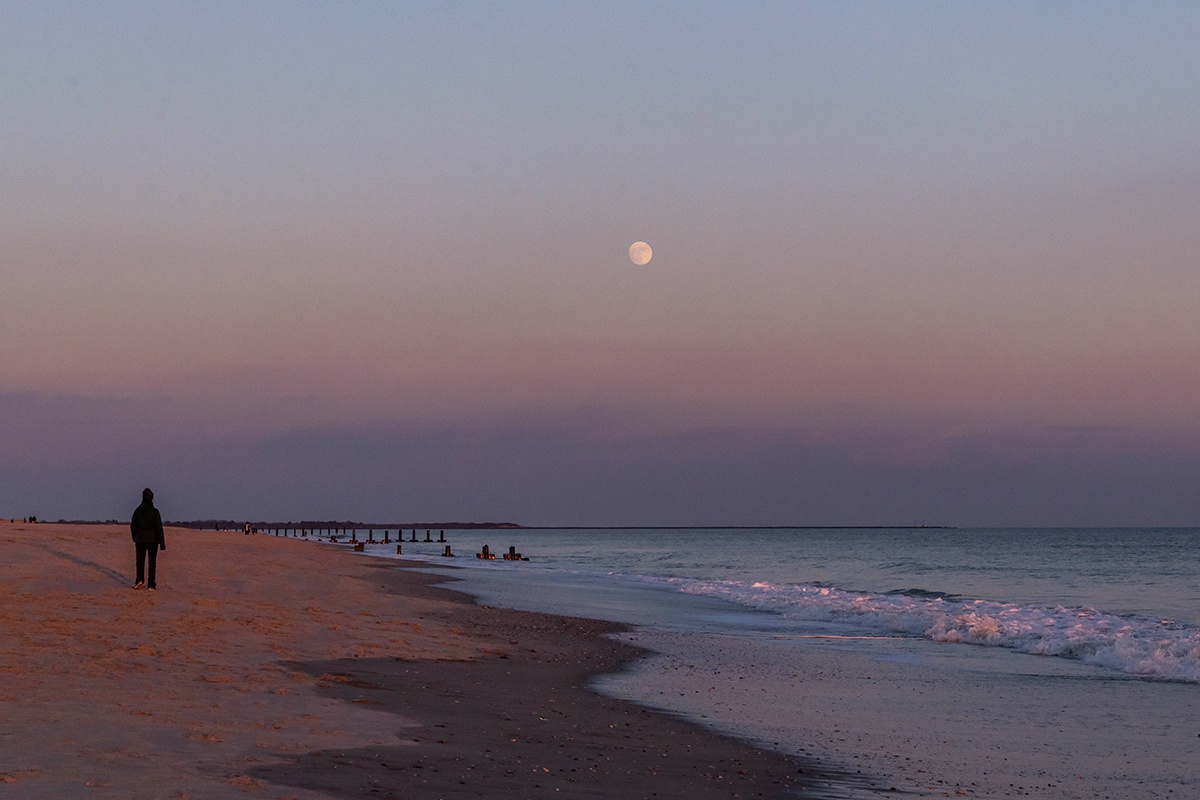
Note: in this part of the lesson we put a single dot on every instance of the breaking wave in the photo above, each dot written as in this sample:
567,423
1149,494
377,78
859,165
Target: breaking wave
1149,648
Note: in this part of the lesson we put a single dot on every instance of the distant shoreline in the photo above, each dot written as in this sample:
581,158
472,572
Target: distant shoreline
212,524
232,524
237,525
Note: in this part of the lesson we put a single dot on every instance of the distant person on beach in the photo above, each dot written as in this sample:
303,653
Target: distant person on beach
147,530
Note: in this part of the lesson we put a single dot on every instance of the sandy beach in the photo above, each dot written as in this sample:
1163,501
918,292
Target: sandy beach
282,668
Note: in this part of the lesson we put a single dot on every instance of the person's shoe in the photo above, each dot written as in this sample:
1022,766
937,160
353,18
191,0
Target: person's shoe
151,588
138,585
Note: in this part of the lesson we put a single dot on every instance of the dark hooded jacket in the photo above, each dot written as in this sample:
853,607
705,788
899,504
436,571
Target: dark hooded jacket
146,525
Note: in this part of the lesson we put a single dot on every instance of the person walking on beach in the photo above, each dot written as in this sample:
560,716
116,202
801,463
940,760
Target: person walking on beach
147,530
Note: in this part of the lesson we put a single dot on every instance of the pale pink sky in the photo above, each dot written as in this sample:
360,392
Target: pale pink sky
883,236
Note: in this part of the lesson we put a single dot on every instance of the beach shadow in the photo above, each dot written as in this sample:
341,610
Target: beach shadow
526,726
108,572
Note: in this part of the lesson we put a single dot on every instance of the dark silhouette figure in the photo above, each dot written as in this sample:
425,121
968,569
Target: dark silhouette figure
147,530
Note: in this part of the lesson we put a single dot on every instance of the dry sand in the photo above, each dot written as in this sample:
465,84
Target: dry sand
274,667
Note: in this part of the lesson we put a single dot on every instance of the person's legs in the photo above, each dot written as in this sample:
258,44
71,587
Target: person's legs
141,564
152,551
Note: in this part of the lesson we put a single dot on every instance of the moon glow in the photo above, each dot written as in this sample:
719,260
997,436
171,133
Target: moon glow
640,253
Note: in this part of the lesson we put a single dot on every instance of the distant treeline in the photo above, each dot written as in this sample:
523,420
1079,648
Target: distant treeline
229,524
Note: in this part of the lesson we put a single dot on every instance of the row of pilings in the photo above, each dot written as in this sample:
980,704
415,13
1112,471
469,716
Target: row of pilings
351,535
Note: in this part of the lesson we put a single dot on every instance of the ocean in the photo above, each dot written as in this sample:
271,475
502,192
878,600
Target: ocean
1056,663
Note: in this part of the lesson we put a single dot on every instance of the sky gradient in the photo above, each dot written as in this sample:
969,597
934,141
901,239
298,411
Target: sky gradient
913,262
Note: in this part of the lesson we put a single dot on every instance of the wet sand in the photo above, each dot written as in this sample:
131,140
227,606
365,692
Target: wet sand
282,668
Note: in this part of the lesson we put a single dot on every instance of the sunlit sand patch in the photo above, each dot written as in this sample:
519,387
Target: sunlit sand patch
72,653
18,775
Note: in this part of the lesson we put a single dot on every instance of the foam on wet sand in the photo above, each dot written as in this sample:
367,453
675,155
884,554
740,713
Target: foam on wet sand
933,722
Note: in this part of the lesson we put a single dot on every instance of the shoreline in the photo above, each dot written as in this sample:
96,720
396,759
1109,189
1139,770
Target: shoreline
522,720
360,680
930,718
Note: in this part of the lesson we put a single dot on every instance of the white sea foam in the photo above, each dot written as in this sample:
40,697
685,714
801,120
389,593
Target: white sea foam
1151,648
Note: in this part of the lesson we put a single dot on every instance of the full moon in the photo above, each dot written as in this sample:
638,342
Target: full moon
640,253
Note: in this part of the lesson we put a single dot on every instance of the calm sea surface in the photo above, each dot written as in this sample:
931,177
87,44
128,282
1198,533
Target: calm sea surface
991,628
